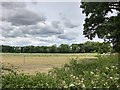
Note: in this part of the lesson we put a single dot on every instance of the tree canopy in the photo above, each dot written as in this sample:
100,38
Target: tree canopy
102,19
87,47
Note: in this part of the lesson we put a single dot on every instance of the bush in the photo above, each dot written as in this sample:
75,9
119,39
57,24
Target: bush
103,73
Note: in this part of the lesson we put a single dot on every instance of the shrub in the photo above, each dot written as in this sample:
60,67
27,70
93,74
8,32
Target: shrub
103,73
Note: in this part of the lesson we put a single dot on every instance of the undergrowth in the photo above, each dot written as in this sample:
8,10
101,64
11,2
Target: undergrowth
103,73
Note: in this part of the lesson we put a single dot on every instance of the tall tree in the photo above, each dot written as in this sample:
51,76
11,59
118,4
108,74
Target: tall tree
75,48
102,19
53,49
64,48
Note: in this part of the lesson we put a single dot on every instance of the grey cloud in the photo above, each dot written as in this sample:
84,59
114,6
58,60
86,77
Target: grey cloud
13,5
43,29
6,26
34,2
67,23
39,30
18,14
12,34
10,31
68,36
21,22
56,24
6,29
25,17
65,37
9,8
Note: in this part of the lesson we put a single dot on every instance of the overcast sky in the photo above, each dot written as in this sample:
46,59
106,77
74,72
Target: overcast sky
48,23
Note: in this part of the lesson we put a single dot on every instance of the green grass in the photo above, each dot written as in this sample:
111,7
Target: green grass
103,73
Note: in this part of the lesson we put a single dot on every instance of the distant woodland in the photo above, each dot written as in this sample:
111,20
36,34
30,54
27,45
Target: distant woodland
87,47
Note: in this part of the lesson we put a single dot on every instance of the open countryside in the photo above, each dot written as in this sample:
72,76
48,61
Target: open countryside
60,45
42,62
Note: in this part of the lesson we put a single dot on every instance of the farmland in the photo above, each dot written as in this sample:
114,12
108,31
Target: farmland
42,62
100,73
42,46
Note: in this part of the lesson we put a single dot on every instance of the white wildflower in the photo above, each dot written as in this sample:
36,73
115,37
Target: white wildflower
82,79
96,75
116,78
72,85
73,76
116,68
47,84
113,66
105,83
63,82
104,74
83,85
106,68
77,78
92,72
65,86
92,82
79,83
111,77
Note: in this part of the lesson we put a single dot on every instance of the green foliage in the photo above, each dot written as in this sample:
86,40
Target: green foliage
103,73
87,47
8,69
101,22
64,48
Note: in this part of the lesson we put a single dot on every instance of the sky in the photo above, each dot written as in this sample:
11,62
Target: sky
41,23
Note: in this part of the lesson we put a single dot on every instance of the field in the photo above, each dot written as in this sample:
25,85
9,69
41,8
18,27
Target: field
101,73
32,63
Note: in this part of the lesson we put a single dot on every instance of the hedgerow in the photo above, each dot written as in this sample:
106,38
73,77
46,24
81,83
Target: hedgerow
103,73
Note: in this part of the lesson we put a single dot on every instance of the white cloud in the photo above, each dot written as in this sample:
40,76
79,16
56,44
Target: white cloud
41,23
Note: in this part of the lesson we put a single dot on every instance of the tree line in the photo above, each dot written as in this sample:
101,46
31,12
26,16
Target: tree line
87,47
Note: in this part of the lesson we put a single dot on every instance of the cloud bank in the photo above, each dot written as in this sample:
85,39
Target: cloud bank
25,23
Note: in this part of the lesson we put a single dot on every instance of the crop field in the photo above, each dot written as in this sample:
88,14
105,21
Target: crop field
42,62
